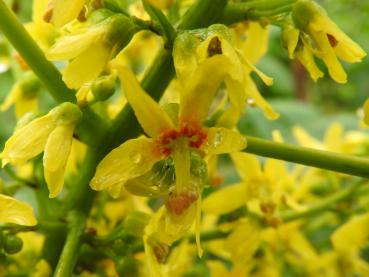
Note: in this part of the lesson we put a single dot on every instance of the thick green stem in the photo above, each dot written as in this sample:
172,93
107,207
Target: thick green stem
351,165
68,257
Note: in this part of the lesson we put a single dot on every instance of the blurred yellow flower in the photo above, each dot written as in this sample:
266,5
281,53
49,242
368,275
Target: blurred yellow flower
15,211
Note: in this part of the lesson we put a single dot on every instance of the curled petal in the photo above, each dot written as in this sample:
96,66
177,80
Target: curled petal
56,155
133,158
28,141
226,199
14,211
256,44
198,94
222,140
150,115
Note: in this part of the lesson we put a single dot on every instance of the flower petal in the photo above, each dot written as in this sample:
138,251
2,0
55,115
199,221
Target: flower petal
65,11
133,158
222,140
70,46
14,211
247,165
225,199
353,234
87,66
256,44
197,96
152,118
56,155
28,141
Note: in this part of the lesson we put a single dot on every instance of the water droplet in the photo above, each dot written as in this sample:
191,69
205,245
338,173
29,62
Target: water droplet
3,67
135,157
218,138
251,102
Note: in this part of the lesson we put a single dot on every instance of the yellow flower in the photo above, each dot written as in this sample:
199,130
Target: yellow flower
52,134
14,211
90,48
190,51
23,95
173,148
330,41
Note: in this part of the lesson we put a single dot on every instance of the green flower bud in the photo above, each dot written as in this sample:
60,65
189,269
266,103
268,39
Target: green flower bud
303,13
103,88
135,223
99,15
119,32
219,29
12,244
128,267
67,113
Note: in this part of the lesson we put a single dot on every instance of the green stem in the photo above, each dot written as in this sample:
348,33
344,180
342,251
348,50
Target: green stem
347,164
69,255
236,12
15,32
323,205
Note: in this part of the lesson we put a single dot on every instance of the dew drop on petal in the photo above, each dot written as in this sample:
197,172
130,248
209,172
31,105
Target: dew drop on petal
135,157
218,139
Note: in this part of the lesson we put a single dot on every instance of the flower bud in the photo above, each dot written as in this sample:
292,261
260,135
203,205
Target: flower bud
303,13
128,266
66,113
103,88
135,223
12,244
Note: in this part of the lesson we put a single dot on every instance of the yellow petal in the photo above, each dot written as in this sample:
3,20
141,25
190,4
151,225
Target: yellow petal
70,46
38,9
243,242
256,44
333,137
56,155
306,57
353,234
150,115
266,79
290,39
87,66
247,165
329,57
222,140
304,138
182,165
65,11
14,211
12,97
237,99
133,158
25,105
28,141
225,199
254,95
198,94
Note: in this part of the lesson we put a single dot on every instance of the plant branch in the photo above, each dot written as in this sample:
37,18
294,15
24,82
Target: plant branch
347,164
70,251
